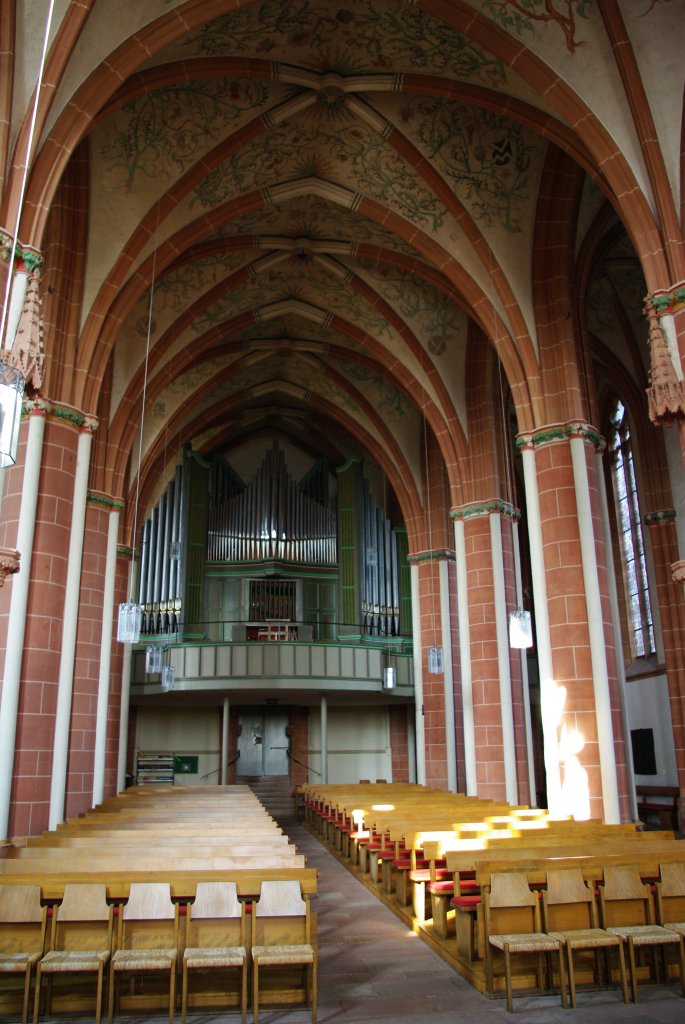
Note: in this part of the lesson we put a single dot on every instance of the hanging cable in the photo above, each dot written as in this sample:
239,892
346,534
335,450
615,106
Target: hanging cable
435,652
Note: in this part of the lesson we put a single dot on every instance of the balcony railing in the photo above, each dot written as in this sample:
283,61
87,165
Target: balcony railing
351,664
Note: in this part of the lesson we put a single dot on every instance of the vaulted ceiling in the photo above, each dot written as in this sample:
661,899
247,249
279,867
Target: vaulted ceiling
305,218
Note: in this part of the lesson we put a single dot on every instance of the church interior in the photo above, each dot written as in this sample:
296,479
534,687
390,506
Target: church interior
342,406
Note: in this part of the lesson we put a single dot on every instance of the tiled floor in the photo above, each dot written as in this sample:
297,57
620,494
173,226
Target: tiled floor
372,969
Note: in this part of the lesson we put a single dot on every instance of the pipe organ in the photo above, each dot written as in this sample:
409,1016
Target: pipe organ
210,525
160,584
380,584
271,519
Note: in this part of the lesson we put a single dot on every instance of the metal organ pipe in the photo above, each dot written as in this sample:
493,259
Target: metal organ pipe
168,498
144,559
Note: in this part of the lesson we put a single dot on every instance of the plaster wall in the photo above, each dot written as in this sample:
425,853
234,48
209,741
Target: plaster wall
648,708
182,731
358,744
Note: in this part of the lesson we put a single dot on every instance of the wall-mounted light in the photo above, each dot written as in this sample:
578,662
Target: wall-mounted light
520,629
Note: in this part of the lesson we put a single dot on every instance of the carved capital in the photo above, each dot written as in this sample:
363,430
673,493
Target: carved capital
555,432
666,395
678,572
669,300
485,508
27,351
9,563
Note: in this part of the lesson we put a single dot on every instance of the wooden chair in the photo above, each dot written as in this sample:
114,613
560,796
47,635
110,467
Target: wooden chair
215,937
670,902
281,937
570,915
23,924
147,938
512,925
80,940
626,910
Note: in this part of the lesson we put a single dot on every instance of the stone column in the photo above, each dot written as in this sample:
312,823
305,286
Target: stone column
435,702
125,686
465,660
420,739
11,684
483,582
105,655
595,616
579,692
69,624
225,717
548,691
324,741
448,678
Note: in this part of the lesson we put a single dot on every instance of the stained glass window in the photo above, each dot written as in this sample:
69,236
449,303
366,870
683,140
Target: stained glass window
636,582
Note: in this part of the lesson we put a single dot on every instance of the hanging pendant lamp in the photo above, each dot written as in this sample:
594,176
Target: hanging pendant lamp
11,393
520,629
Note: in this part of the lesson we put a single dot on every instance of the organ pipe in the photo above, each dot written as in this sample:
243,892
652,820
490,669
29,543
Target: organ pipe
271,518
380,577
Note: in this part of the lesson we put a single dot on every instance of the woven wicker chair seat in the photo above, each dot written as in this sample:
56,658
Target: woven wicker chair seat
676,926
587,938
299,954
74,960
525,942
645,934
13,962
214,956
143,959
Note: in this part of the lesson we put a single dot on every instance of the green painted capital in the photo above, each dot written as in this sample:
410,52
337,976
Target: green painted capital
105,501
669,300
561,432
28,255
64,412
658,518
485,508
437,555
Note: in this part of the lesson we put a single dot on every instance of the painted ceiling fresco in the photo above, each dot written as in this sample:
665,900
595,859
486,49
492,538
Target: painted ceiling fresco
331,194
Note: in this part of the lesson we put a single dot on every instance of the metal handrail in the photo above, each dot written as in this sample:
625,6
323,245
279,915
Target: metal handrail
217,770
302,764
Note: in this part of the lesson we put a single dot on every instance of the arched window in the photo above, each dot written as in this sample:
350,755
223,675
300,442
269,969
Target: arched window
634,564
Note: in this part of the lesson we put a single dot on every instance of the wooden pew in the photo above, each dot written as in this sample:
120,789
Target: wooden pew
469,924
182,880
104,864
163,848
663,802
546,845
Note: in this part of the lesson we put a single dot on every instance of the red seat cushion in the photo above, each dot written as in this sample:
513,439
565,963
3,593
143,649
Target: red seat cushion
465,901
424,875
467,885
404,863
445,887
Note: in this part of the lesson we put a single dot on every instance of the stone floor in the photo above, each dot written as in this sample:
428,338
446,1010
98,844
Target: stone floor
372,969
